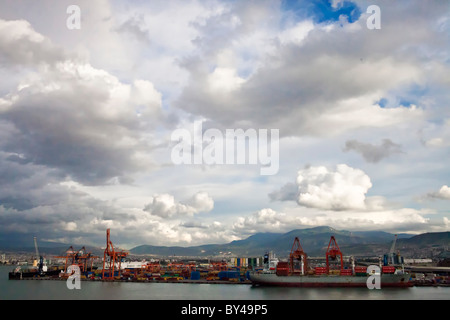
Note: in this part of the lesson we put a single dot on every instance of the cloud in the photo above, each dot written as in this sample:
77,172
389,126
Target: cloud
288,192
20,44
338,197
34,200
443,193
85,116
340,189
324,83
269,220
72,116
343,189
436,135
165,206
133,26
372,153
202,202
265,220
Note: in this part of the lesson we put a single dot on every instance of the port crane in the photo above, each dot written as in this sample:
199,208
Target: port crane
333,252
393,257
297,257
39,258
392,251
113,257
81,258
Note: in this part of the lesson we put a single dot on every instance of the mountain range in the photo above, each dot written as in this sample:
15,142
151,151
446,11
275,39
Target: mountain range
314,242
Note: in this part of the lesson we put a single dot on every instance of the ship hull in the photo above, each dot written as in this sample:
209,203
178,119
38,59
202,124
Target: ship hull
271,279
30,274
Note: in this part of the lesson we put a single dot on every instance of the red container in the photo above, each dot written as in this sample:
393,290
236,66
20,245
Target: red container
360,269
388,269
346,272
282,269
320,270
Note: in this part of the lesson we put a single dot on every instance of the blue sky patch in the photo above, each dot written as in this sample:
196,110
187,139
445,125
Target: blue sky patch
382,102
321,10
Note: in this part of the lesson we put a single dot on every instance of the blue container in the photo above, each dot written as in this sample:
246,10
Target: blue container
234,274
195,275
225,275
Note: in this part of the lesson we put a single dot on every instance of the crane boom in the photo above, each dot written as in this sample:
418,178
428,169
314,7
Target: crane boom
392,257
39,259
393,245
36,248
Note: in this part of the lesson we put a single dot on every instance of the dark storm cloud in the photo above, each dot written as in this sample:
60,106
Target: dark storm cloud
35,201
66,121
373,153
72,116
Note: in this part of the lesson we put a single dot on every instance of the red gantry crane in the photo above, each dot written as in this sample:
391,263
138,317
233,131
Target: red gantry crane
81,258
298,262
333,252
114,257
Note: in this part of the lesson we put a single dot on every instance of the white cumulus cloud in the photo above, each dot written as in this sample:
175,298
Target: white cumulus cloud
165,206
342,189
443,193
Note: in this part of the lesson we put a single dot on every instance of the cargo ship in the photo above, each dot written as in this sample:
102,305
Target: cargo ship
272,279
296,272
20,273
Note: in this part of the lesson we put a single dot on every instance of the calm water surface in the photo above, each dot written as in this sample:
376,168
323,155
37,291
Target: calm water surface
48,290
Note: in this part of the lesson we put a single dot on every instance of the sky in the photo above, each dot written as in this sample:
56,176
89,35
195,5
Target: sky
92,101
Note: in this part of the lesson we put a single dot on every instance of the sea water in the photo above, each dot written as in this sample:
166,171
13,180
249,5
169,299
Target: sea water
97,290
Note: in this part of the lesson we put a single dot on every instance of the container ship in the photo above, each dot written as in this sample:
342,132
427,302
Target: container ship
297,273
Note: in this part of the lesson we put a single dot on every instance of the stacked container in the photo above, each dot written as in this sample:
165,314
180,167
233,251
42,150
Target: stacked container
346,272
320,270
282,268
229,275
388,269
361,271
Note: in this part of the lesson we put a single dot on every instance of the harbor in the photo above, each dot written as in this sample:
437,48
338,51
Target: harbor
127,290
297,270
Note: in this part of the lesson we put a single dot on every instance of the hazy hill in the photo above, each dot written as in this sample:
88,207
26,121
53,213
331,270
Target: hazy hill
313,240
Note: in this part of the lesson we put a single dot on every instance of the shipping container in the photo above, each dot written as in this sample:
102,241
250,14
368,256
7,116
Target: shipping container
227,275
282,268
346,272
320,270
360,269
335,272
388,269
